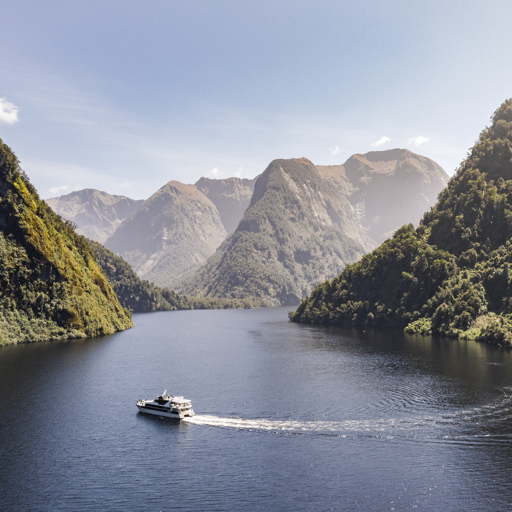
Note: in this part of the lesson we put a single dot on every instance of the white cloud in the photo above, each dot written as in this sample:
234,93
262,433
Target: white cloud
238,173
61,188
381,141
418,140
8,112
335,151
215,171
126,184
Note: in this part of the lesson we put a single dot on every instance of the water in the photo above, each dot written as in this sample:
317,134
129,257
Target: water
289,417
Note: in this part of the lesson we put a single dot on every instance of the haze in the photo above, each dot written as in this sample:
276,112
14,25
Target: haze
126,95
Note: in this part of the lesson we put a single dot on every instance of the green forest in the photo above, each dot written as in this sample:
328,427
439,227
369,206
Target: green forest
450,276
51,286
141,296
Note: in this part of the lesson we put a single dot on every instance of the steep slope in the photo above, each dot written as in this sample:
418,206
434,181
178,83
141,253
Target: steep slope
95,213
387,188
231,196
133,293
170,235
452,275
295,233
141,296
51,286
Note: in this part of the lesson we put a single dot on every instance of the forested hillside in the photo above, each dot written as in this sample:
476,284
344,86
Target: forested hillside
450,276
143,297
296,232
51,286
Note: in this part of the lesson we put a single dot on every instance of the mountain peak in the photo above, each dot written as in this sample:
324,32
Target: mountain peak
96,213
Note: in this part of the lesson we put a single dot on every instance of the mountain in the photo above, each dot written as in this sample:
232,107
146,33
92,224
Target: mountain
170,235
51,286
133,293
296,232
387,188
95,213
141,296
231,196
452,275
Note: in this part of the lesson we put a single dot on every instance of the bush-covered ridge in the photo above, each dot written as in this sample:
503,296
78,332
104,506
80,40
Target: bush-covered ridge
450,276
141,296
51,286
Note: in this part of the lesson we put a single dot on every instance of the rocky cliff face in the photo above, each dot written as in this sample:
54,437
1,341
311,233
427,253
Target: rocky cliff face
95,213
170,235
296,232
231,196
387,189
51,286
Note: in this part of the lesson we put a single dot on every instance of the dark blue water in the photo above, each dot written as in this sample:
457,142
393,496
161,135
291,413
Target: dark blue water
289,417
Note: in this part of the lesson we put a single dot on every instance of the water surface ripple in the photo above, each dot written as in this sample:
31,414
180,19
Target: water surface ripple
289,417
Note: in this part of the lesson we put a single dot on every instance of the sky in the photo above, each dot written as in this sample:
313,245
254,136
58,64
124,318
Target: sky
126,95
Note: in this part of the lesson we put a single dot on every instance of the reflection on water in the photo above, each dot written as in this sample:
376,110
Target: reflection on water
289,417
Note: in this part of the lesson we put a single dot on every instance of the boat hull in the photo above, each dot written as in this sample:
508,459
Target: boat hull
166,414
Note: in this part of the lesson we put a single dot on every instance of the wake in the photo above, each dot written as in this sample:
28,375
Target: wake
489,420
338,428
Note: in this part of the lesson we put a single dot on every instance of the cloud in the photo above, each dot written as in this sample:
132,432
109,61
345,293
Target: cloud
418,140
335,151
215,171
126,184
61,188
381,141
238,173
8,112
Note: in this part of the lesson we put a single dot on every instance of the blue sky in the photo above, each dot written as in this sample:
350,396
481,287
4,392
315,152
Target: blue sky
125,95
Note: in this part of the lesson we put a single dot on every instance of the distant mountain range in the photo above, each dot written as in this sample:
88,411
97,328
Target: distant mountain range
171,235
231,196
96,214
305,223
296,232
293,226
168,236
387,188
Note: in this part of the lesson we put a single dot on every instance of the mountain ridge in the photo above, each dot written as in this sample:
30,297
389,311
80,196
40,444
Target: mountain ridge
96,213
170,235
292,216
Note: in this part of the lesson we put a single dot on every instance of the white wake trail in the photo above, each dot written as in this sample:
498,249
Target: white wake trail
317,427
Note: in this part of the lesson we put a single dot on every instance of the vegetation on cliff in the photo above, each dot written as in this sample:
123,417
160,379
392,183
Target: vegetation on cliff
51,286
450,276
140,296
296,232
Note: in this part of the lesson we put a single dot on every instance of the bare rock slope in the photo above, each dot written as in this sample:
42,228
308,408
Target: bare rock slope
95,213
231,196
171,235
387,188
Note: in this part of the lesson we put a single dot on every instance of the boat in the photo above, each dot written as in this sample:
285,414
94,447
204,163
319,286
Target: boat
167,406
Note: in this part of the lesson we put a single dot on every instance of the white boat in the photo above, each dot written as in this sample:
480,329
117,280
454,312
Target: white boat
167,406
